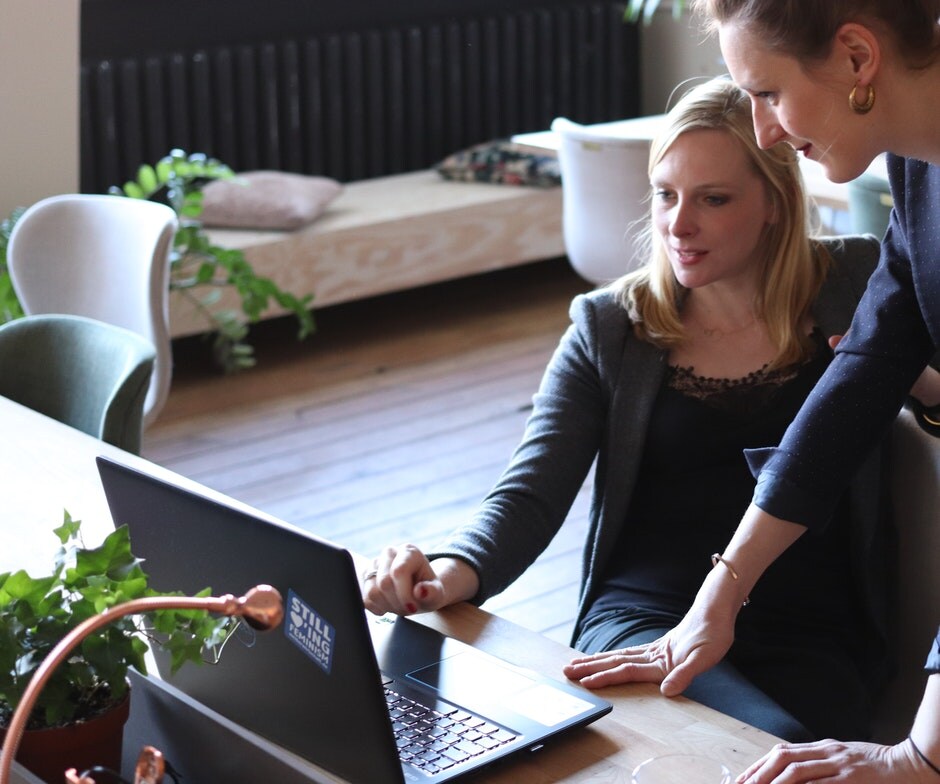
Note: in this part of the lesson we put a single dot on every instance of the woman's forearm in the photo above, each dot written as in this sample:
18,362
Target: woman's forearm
927,388
707,630
459,580
759,539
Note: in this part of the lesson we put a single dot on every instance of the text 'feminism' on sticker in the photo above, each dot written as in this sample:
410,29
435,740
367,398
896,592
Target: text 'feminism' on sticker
310,631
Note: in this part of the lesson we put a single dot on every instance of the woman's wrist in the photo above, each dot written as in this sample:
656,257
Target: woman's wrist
757,542
722,595
926,389
719,559
459,580
922,759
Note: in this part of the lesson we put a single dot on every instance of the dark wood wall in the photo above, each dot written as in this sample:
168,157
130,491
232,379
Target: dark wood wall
132,28
349,90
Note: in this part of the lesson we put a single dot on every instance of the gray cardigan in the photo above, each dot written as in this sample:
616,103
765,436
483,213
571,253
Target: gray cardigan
594,402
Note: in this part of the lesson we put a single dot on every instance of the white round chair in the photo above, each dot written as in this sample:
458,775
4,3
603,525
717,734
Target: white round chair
604,196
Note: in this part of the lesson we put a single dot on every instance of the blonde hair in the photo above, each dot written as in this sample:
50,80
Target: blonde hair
792,267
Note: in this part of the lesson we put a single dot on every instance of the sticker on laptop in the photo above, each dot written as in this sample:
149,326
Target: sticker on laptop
310,631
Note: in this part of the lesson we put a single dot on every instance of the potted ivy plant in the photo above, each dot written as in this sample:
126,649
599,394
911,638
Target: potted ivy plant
199,269
88,692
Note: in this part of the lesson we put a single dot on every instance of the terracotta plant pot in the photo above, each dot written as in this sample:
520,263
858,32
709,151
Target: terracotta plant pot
98,741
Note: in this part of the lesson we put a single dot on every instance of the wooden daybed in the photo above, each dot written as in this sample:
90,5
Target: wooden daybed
397,232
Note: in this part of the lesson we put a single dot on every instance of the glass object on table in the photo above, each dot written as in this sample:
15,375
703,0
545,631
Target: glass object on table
681,769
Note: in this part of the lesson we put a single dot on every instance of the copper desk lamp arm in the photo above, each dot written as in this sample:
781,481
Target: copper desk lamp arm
261,607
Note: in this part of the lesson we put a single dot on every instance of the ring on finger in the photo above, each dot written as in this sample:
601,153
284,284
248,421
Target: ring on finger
369,575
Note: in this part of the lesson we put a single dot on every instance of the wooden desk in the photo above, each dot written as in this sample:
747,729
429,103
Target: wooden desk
47,466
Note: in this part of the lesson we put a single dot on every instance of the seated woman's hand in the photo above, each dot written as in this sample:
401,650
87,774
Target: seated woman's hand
402,581
832,760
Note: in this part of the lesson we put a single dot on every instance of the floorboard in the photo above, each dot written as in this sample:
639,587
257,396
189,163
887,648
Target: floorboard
389,424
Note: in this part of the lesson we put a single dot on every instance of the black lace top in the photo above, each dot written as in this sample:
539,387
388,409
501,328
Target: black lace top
732,395
693,488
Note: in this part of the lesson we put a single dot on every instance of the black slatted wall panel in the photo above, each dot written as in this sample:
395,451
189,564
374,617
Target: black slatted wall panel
359,104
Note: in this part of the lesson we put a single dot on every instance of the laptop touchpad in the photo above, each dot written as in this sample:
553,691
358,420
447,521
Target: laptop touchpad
470,675
473,680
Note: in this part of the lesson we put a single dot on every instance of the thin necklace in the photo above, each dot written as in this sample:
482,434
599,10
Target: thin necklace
717,333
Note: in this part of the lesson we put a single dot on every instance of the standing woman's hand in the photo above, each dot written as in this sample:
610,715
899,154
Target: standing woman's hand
835,761
697,643
912,761
673,660
702,638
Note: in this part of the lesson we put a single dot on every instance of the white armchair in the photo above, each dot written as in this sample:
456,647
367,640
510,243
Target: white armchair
604,194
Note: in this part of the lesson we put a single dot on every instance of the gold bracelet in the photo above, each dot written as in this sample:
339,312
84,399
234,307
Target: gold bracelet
929,415
717,559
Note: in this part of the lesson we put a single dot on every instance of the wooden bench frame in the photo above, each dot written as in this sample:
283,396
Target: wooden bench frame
393,233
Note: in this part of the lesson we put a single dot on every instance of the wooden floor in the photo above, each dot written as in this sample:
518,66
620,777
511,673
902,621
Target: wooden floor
388,425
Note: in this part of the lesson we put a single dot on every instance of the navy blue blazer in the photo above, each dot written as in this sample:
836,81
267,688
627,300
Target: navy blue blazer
893,336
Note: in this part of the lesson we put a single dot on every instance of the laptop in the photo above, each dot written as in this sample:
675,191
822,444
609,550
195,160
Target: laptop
371,699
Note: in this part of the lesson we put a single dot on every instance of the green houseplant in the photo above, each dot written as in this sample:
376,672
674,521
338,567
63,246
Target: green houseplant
644,9
10,307
37,612
199,269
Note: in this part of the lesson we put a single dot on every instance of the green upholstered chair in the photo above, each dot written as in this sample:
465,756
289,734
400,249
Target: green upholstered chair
103,257
870,205
86,373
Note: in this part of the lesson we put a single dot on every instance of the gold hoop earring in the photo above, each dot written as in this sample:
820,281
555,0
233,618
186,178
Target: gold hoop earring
862,108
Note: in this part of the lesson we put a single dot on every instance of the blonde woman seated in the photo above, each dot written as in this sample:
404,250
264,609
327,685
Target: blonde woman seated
664,378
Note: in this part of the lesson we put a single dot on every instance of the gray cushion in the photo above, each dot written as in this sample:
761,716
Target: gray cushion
267,200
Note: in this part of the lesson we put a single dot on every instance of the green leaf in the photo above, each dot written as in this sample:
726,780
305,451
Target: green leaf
192,201
147,178
112,555
646,9
205,273
69,528
19,586
107,653
196,263
163,170
134,190
182,168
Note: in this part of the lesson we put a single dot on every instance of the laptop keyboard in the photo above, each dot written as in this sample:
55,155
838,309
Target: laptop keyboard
436,739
